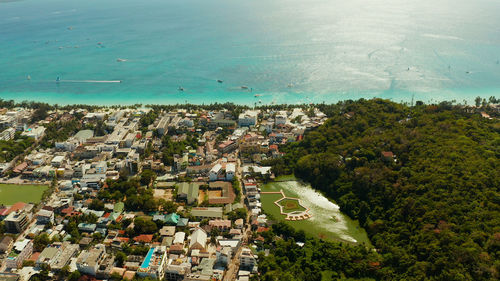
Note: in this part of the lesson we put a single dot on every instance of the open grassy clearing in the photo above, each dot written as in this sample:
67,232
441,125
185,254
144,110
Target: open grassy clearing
12,193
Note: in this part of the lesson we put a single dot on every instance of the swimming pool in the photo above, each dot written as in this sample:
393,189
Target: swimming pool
145,263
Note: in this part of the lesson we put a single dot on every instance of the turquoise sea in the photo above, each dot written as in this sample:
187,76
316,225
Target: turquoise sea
286,51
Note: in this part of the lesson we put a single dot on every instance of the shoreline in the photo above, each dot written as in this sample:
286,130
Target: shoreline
111,99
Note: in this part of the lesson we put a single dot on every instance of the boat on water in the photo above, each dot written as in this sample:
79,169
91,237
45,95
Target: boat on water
257,95
244,87
28,77
180,89
467,72
58,79
219,81
290,85
120,60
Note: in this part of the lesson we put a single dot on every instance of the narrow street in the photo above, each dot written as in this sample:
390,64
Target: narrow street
234,265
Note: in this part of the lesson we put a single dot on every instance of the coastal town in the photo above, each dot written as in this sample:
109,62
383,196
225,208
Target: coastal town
138,192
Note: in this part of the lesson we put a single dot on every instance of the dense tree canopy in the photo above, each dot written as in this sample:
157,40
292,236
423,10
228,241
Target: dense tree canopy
424,181
12,148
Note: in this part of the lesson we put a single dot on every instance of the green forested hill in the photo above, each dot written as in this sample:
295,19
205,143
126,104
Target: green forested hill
433,210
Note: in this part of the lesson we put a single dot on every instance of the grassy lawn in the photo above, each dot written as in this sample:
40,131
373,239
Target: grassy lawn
291,205
13,193
327,221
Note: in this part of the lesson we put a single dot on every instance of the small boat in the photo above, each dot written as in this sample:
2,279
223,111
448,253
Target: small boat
70,28
467,72
244,87
99,43
498,61
180,89
257,95
219,81
120,60
290,85
408,69
28,77
58,79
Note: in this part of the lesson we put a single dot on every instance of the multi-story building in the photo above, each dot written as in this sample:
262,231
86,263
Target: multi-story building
281,118
248,118
21,251
230,171
154,263
57,255
227,146
45,216
215,173
16,222
247,259
162,127
8,134
35,133
177,268
5,244
89,260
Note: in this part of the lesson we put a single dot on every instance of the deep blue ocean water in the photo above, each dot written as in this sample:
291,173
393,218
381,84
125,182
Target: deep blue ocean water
286,51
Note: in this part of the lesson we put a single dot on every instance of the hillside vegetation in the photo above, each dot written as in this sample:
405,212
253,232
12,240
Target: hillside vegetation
424,181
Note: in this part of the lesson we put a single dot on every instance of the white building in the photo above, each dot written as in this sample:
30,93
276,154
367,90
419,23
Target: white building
230,171
35,133
186,122
57,161
162,127
21,251
69,145
88,261
215,172
179,238
247,259
281,118
248,118
45,216
198,240
8,134
101,167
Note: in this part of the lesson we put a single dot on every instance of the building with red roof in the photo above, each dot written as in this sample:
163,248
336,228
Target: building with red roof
14,208
144,238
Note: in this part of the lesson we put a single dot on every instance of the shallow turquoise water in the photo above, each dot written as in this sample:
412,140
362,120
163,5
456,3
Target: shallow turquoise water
287,51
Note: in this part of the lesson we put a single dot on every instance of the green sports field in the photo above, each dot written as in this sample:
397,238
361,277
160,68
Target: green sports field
12,193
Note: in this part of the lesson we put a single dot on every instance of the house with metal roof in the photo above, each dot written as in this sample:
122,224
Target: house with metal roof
198,240
188,191
207,212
